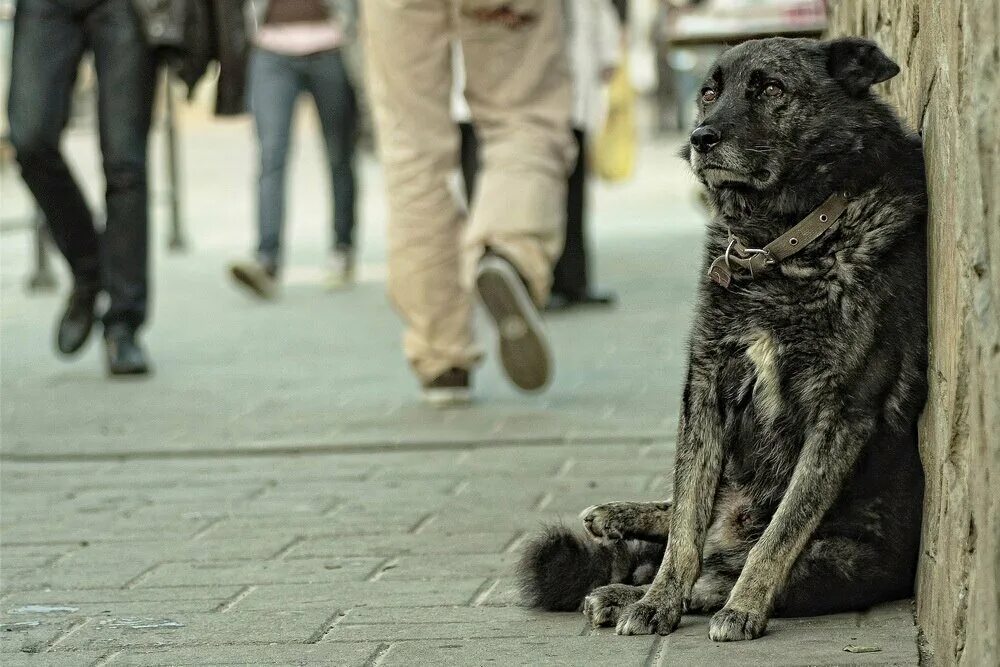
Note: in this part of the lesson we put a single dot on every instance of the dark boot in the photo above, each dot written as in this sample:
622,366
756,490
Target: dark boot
124,354
77,320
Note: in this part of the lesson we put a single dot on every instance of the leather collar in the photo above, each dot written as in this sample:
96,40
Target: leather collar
741,261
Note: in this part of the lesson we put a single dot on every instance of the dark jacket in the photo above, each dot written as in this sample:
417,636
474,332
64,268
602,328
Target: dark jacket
191,34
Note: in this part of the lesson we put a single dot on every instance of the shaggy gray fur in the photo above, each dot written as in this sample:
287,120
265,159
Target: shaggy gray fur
797,481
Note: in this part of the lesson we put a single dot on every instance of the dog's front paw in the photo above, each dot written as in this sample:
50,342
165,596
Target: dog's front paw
605,604
643,618
604,521
731,625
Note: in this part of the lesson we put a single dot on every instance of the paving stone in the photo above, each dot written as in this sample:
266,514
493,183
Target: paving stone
552,625
803,641
554,651
191,629
53,659
381,594
447,543
342,654
220,573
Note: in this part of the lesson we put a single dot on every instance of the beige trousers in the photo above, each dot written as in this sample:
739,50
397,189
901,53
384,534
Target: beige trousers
519,91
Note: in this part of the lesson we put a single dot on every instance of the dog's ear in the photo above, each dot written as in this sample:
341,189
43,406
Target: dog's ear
858,63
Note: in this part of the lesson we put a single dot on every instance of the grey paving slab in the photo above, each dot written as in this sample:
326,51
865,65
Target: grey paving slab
343,654
298,626
219,573
557,651
391,545
804,641
355,595
53,659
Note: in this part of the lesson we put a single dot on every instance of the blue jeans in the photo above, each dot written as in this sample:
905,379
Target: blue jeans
275,83
50,37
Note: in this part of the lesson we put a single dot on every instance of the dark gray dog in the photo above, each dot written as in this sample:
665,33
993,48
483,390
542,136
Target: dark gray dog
797,482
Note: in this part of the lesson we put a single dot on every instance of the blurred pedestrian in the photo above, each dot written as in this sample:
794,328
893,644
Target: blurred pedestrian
50,37
595,47
299,47
518,89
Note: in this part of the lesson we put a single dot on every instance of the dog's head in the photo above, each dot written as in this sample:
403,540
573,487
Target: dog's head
771,108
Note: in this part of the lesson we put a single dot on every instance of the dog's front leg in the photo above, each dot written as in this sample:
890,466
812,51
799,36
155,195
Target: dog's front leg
697,470
831,448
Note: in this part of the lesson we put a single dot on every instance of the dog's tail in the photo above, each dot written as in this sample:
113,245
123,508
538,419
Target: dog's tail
559,567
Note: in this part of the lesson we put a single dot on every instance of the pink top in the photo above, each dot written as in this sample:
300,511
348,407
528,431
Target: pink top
299,39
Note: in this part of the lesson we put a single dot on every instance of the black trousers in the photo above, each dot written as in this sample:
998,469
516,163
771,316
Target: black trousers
50,37
569,276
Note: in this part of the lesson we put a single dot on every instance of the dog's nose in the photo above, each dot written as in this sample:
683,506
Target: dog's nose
705,137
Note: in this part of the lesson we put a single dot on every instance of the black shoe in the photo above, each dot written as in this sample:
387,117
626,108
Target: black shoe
524,349
450,388
77,320
559,301
124,354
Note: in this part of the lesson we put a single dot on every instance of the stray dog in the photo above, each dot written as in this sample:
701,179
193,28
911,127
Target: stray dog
797,481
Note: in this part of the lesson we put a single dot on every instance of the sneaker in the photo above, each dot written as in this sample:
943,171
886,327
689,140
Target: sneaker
340,269
524,349
448,389
256,277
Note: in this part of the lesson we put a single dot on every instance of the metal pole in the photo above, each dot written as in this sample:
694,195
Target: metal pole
41,279
176,241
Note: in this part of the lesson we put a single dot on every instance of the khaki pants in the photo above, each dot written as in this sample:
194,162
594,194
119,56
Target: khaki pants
518,88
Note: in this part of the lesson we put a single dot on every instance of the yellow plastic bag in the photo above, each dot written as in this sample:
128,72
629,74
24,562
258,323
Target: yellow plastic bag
614,149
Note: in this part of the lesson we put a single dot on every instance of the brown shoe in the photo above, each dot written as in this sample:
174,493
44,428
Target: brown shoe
453,387
524,348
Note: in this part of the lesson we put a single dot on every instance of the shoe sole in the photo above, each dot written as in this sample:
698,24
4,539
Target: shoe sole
446,398
524,349
251,281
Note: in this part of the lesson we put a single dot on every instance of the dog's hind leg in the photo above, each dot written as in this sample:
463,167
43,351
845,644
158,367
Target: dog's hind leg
629,521
839,574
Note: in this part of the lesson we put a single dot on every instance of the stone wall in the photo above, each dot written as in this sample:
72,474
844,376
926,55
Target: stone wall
949,91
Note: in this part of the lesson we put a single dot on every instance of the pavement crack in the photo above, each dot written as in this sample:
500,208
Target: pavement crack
232,601
655,657
207,528
543,501
424,521
106,659
515,542
564,469
383,567
285,550
69,632
326,628
483,592
378,656
134,581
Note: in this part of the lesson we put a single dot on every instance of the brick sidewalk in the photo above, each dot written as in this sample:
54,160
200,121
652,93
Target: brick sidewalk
276,494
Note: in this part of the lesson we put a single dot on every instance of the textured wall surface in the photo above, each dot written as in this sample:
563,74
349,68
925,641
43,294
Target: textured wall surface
949,91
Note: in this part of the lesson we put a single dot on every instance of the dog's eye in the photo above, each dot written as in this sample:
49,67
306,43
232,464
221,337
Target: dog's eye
708,95
773,90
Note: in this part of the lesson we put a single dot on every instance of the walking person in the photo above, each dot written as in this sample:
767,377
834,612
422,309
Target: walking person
299,47
595,46
50,37
518,89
